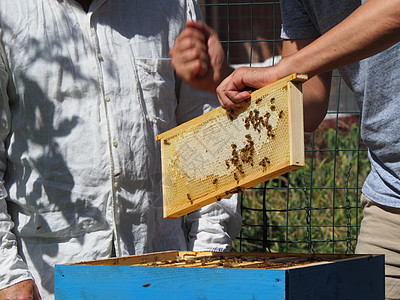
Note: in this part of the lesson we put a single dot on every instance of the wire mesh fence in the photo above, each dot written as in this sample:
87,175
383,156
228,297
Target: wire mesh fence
315,208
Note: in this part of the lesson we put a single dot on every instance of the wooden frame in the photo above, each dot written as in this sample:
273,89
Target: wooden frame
223,152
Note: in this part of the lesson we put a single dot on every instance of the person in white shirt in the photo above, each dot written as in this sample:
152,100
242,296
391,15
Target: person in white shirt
85,86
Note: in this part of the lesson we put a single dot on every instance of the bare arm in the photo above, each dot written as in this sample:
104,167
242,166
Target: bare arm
373,27
24,290
315,91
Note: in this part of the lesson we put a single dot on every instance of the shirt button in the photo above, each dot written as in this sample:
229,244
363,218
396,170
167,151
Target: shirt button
115,143
116,184
106,98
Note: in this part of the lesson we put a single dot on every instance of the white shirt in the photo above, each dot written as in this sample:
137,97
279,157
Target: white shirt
82,97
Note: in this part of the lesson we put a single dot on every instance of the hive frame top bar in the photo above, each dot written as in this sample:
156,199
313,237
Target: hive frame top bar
176,130
208,259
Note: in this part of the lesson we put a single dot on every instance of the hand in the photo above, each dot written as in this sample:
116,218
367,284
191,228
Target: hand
24,290
235,90
198,57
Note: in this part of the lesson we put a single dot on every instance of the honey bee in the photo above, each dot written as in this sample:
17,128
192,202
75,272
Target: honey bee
215,181
235,175
240,169
227,164
280,114
272,107
233,146
264,162
238,189
166,142
235,160
272,100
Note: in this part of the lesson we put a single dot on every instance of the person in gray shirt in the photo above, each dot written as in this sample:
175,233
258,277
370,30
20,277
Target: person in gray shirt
361,39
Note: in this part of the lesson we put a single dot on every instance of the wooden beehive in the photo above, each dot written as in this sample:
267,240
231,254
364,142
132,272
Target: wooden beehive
223,152
211,275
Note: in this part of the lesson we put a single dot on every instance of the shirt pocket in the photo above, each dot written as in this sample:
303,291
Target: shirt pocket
156,82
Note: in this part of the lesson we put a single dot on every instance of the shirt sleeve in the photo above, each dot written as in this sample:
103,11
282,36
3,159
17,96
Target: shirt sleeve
296,22
12,268
215,226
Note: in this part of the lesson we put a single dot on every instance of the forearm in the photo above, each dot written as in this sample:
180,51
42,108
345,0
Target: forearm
316,90
372,28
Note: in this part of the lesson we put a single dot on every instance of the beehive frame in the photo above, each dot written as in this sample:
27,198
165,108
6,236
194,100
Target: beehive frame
234,260
223,152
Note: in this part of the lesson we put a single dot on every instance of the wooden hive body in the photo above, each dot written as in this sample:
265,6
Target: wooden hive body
223,152
211,275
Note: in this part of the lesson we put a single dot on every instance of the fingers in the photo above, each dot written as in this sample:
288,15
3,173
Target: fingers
189,54
231,92
235,90
201,27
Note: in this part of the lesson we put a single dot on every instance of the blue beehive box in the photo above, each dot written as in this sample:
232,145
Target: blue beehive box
210,275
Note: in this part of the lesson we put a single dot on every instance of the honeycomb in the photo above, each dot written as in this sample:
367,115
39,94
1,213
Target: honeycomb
218,156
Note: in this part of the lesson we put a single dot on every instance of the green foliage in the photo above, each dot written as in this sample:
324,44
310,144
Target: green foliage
312,209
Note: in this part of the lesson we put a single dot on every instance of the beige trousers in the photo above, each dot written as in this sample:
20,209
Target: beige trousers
380,234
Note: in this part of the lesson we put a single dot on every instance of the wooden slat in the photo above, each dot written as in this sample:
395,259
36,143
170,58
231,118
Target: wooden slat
228,259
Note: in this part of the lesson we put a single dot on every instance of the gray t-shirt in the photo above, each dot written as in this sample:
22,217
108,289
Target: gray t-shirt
376,84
